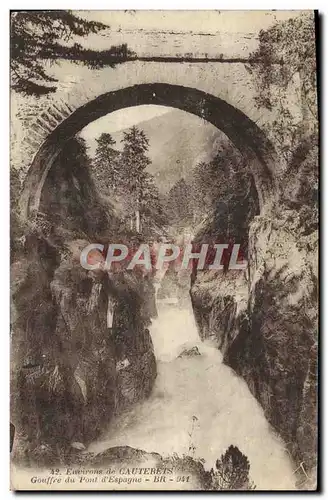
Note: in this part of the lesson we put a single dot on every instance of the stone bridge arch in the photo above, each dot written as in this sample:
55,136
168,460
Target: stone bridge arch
243,132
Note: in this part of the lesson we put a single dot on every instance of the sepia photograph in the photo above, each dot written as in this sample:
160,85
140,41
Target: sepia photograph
164,239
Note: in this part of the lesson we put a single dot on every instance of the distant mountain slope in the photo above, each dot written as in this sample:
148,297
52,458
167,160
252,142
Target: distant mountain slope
178,141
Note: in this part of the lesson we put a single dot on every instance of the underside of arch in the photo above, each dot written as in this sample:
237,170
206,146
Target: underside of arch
243,132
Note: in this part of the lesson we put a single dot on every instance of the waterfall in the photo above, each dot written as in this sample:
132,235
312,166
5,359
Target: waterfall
199,407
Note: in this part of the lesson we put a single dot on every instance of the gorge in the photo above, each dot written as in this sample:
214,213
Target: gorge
73,375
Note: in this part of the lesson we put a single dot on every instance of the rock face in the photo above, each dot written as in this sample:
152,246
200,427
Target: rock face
71,371
136,379
265,323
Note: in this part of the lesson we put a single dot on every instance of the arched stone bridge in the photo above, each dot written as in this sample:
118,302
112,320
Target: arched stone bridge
221,92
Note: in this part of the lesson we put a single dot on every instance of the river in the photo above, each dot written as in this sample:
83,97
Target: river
199,407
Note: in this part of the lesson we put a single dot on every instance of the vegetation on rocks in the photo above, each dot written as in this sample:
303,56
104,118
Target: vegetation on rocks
66,376
266,322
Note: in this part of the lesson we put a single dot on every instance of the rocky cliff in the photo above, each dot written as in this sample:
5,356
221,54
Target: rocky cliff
72,369
264,320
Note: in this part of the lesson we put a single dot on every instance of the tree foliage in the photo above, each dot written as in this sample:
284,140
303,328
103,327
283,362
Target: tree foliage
44,37
285,50
287,55
285,60
153,215
134,161
232,471
123,175
179,205
224,196
106,166
139,189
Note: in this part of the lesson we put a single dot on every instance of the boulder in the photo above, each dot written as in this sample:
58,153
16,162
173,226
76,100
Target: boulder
189,353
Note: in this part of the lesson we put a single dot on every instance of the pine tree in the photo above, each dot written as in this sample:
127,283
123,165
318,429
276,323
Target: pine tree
134,161
179,204
232,471
106,167
225,189
151,208
44,36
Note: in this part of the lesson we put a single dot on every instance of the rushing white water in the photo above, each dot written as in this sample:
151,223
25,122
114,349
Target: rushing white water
199,407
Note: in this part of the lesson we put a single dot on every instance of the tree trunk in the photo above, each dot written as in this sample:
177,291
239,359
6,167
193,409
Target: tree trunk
138,221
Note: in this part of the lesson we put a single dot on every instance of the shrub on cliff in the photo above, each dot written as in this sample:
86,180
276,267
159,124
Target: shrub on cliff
232,471
286,56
